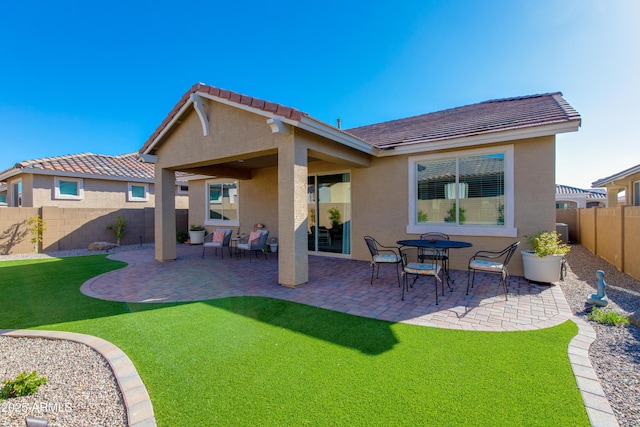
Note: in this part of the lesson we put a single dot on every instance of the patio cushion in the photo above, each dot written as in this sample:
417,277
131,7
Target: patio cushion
493,267
218,236
255,235
422,269
386,258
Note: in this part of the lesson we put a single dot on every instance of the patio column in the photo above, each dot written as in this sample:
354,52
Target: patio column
165,216
293,262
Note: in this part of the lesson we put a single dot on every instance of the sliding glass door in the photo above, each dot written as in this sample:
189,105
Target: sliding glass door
329,201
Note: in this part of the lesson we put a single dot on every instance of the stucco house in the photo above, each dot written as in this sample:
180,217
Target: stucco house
627,180
483,173
85,180
568,197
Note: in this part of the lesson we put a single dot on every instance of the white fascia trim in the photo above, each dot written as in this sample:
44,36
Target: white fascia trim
330,132
488,138
168,126
315,126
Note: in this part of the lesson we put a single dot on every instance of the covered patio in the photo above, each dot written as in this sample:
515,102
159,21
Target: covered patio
335,284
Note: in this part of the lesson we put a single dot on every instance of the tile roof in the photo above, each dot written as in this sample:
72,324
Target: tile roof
485,117
591,194
249,101
122,166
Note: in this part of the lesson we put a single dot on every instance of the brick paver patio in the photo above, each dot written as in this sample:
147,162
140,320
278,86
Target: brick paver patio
335,284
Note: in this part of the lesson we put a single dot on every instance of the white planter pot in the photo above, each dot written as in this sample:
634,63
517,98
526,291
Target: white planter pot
545,269
196,237
274,247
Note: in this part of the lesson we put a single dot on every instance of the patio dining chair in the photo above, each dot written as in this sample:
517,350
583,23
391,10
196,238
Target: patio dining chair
218,239
492,262
424,267
254,242
381,254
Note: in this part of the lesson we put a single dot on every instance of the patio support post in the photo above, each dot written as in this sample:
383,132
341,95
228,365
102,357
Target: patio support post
293,262
165,220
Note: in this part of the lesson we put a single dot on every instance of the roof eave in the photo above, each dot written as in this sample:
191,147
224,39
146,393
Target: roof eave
482,139
306,123
610,179
9,173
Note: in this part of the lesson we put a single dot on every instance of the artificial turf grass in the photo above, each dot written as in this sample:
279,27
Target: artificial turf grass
262,361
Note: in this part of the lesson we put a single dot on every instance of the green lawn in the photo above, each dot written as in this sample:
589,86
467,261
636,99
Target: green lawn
259,361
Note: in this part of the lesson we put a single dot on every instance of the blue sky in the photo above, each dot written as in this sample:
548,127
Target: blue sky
100,76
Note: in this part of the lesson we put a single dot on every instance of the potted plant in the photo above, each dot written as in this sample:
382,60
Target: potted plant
543,263
273,244
196,234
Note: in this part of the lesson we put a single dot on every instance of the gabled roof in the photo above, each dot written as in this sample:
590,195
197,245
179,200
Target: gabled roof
608,180
100,166
590,194
489,117
483,118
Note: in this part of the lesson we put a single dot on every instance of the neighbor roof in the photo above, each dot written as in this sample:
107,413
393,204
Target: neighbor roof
485,117
591,194
625,173
125,166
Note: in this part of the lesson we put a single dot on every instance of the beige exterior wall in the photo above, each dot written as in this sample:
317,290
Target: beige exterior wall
379,186
619,185
38,190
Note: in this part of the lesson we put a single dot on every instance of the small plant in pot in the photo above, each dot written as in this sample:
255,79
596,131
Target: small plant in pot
196,234
543,263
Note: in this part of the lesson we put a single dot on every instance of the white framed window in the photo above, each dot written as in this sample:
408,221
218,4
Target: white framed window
467,193
636,193
137,192
69,188
222,202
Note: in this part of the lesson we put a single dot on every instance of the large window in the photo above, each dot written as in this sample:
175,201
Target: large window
69,188
16,194
636,193
469,193
222,202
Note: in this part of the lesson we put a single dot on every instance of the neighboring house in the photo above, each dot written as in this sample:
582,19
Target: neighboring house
571,197
85,181
628,181
482,173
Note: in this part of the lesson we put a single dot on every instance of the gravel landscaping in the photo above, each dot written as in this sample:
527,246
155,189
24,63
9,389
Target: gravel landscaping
82,390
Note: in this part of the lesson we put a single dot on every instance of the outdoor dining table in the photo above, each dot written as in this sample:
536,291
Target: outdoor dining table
437,244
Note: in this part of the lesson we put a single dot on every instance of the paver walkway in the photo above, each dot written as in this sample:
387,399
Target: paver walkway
336,284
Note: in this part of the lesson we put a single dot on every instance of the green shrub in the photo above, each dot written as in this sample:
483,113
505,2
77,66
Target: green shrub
547,243
24,385
182,236
608,316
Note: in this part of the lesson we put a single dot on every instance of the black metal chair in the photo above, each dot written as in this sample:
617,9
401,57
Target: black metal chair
381,254
430,268
495,262
441,255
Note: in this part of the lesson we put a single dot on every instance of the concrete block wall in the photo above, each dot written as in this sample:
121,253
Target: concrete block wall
74,228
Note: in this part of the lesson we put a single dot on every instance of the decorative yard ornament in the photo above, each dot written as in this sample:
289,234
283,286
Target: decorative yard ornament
600,298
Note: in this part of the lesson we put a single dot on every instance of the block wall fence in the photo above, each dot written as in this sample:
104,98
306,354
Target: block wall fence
73,228
611,233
